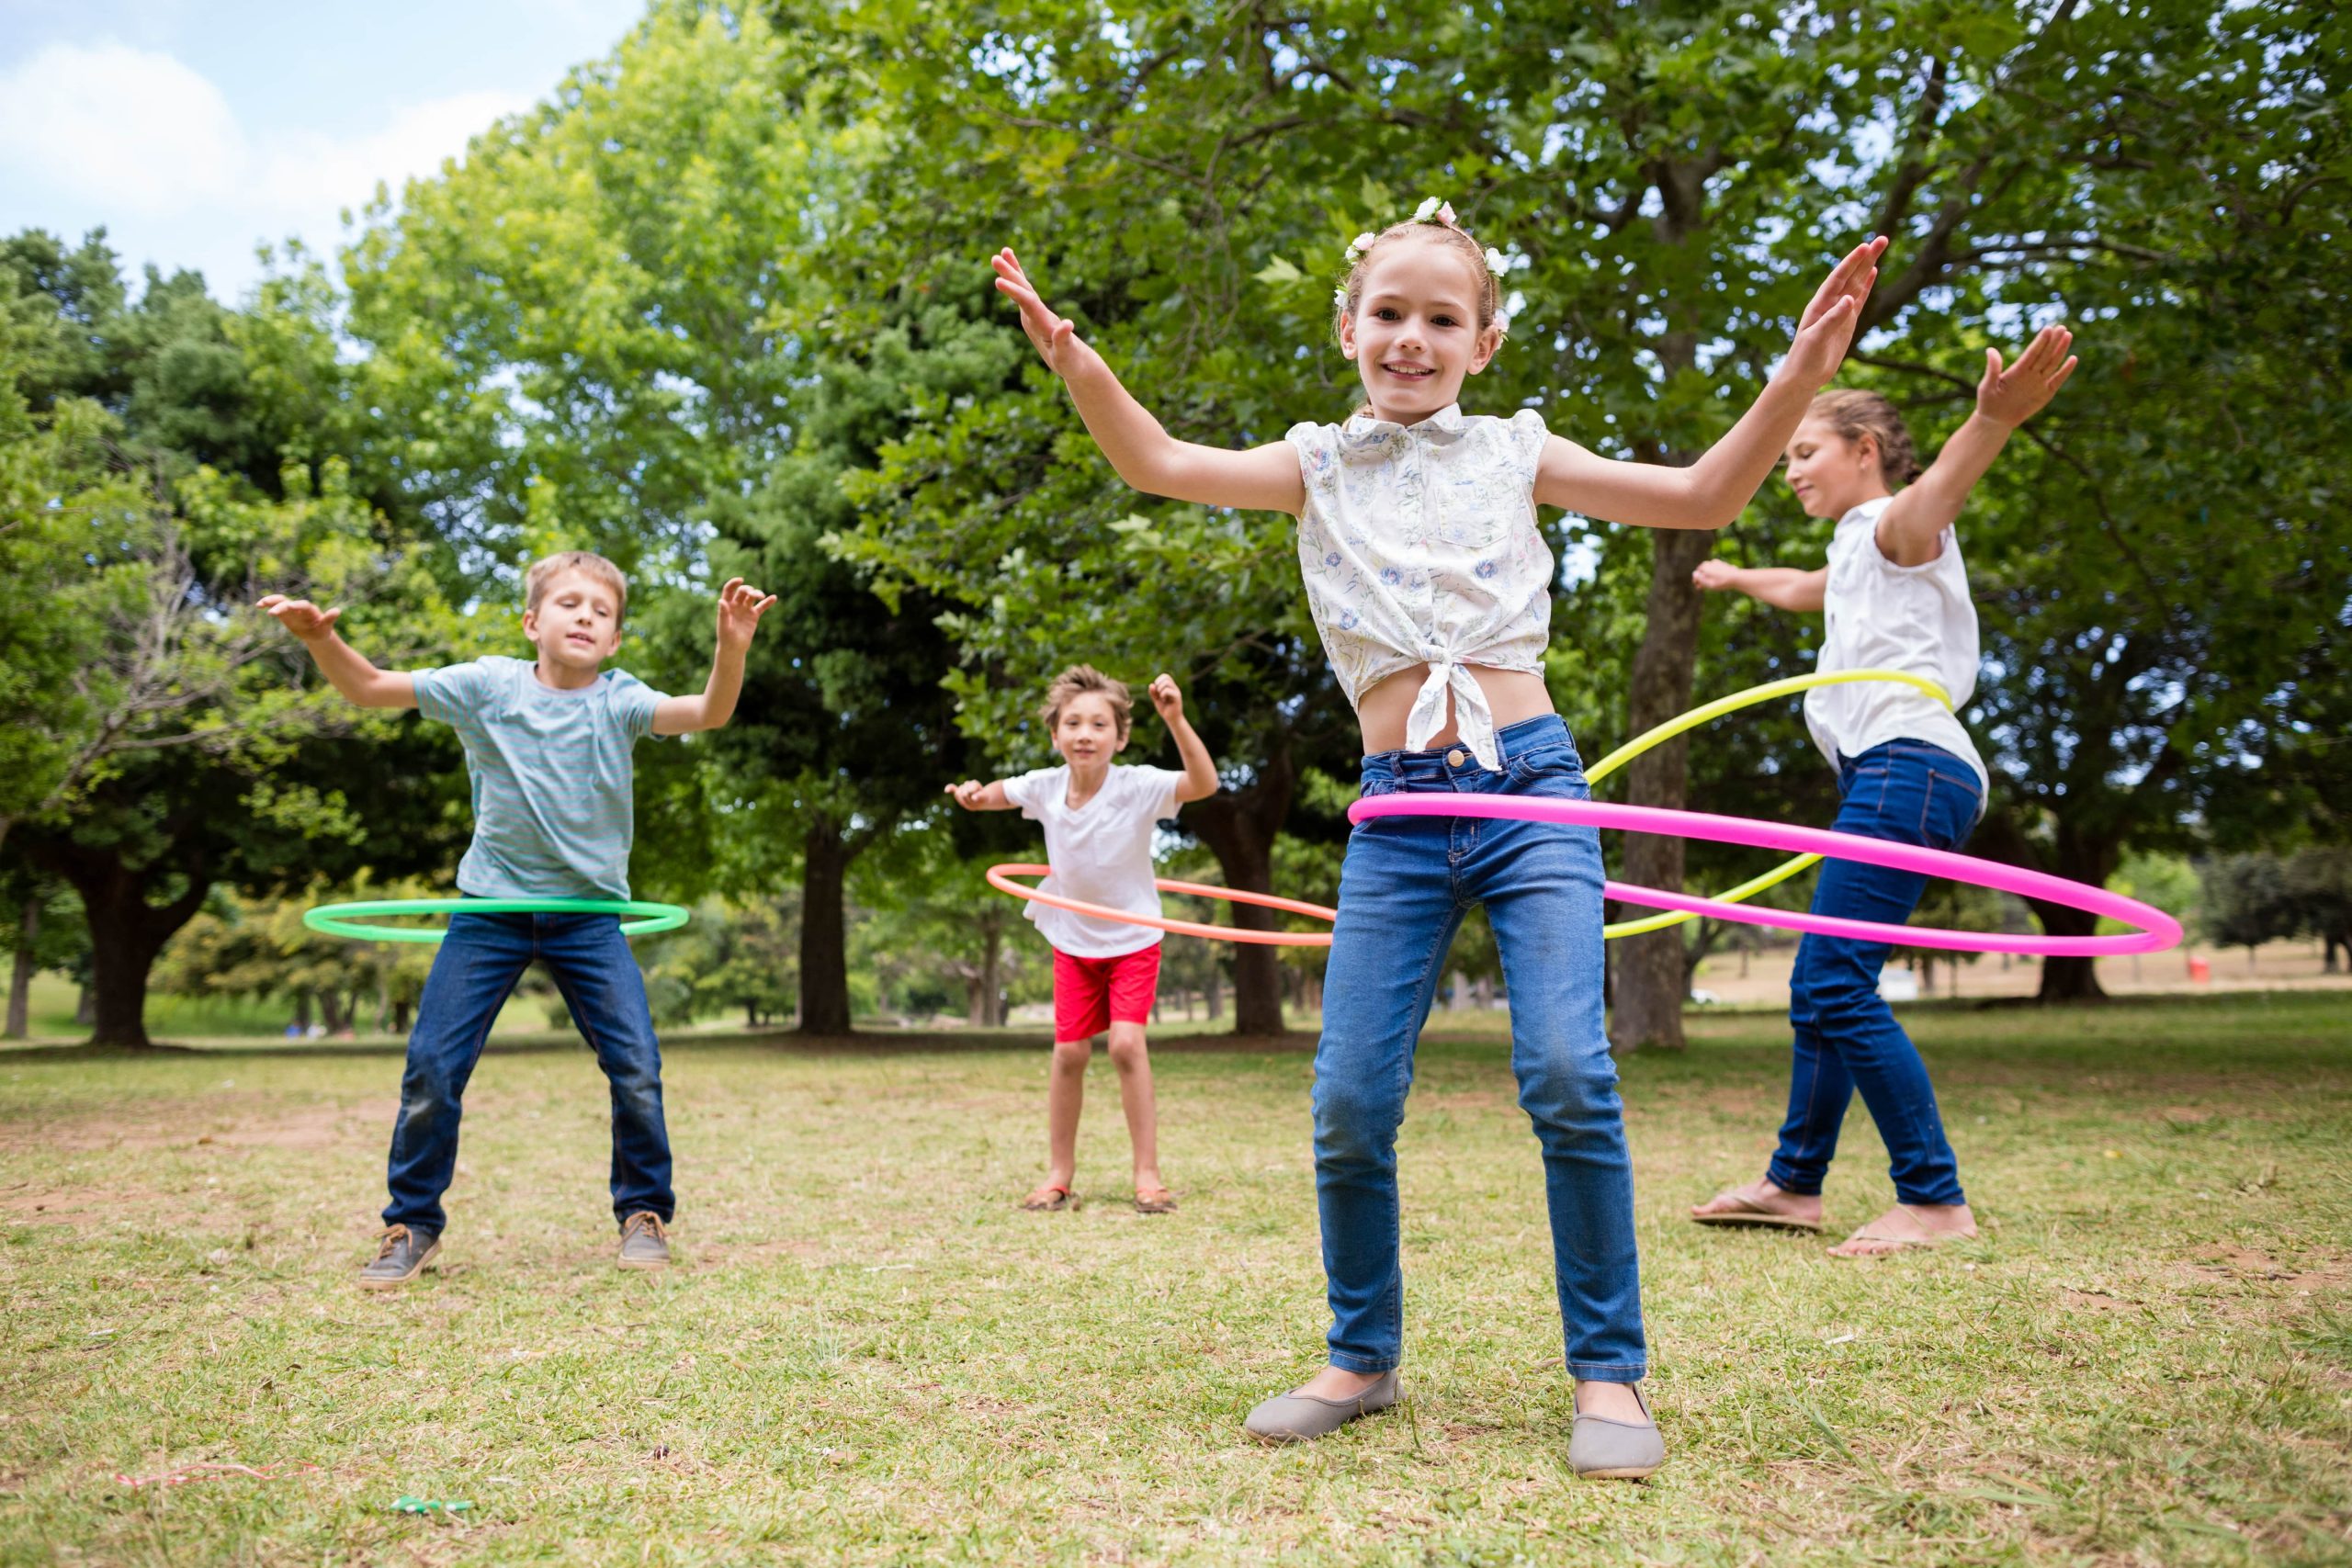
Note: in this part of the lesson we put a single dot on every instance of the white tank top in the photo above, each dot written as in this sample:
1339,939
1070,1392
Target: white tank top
1419,545
1918,619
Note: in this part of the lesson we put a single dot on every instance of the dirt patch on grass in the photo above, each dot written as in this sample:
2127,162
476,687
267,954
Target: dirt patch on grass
2242,1263
249,1121
82,1206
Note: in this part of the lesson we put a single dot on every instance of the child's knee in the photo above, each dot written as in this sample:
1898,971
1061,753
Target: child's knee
1128,1046
1072,1056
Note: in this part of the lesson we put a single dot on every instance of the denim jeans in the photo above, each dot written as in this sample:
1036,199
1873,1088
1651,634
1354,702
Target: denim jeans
473,973
1404,888
1911,793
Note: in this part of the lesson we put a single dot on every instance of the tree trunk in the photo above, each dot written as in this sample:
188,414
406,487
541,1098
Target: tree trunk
2076,856
1213,992
992,970
1650,978
86,1007
1238,826
20,985
302,1011
824,946
126,933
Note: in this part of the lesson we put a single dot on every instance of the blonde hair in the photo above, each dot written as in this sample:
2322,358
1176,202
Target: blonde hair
548,567
1078,681
1856,414
1490,287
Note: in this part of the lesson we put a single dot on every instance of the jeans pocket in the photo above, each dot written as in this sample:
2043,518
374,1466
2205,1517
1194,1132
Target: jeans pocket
1949,811
1551,772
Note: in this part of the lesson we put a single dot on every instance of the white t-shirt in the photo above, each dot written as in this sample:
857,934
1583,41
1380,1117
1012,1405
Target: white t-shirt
1878,615
1100,854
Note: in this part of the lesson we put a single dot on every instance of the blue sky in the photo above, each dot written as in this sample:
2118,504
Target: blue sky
194,130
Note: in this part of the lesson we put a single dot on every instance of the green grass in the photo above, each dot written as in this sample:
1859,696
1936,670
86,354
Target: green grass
869,1355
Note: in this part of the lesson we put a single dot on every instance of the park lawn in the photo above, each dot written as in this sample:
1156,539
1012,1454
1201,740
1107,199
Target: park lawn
869,1355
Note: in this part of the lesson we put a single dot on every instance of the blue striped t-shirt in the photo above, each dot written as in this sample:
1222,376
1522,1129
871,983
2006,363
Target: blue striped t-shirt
554,786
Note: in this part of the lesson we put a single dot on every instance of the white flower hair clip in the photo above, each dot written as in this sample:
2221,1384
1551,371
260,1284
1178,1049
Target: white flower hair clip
1340,296
1502,324
1359,246
1497,263
1432,211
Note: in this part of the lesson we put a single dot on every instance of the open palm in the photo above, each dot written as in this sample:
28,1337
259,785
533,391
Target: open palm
2014,395
1056,337
1826,329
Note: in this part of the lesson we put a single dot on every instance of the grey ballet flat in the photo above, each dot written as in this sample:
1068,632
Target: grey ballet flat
1302,1417
1602,1449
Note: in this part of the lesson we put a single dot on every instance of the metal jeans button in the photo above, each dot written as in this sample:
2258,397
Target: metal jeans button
1456,757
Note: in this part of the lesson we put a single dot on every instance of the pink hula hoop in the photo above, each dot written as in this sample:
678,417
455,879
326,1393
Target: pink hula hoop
2158,930
1001,878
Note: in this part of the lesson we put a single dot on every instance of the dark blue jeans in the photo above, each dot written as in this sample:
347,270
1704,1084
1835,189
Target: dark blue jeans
1911,793
473,973
1404,888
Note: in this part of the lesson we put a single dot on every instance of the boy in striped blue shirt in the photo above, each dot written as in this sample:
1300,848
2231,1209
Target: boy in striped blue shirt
548,746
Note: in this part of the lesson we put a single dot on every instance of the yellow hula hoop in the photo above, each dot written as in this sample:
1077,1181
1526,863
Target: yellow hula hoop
1665,732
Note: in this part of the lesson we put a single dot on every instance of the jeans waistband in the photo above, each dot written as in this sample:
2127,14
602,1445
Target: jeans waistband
1439,768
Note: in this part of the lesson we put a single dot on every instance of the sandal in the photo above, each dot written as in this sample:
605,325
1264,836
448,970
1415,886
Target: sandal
1155,1201
1050,1199
1751,1213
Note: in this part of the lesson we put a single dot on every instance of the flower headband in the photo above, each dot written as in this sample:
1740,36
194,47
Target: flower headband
1431,210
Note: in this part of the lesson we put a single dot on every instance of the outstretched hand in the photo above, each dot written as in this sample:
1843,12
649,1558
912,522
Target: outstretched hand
739,609
1056,337
301,617
2011,396
967,795
1826,329
1713,575
1167,699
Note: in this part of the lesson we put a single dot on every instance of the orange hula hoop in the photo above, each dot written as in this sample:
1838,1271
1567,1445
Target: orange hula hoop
1001,878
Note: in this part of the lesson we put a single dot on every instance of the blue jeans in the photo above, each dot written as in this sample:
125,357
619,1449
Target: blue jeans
1404,888
1911,793
473,973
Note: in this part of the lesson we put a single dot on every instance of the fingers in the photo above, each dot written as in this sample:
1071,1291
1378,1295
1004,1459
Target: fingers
2065,371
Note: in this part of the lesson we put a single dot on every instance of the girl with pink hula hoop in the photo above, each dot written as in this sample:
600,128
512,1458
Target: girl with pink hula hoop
1430,583
1894,596
1099,817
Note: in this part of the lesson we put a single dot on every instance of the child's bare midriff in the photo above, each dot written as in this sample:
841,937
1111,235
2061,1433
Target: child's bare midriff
1511,694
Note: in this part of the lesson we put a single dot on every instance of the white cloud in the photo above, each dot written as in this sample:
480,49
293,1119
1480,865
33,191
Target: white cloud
128,128
313,173
136,141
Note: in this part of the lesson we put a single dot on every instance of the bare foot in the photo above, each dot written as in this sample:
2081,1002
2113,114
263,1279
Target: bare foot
1760,1203
1337,1382
1611,1402
1908,1225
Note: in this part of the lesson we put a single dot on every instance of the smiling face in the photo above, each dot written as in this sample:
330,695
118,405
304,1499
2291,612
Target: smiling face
1087,732
1831,473
1415,329
577,623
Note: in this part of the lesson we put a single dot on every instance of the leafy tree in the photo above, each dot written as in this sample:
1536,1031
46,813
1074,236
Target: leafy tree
182,746
607,330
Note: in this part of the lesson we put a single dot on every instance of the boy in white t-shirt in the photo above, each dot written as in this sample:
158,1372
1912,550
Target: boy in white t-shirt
1099,821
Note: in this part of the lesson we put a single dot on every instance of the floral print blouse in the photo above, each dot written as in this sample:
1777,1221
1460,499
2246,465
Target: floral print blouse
1420,546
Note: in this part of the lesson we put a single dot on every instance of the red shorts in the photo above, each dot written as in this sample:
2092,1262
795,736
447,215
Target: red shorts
1091,994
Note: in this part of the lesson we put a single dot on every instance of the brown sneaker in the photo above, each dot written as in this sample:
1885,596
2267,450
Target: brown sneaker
645,1241
400,1256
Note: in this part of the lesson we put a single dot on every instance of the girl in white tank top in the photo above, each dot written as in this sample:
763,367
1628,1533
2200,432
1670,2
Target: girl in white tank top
1895,597
1432,588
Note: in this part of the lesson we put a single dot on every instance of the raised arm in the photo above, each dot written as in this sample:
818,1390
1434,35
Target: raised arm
974,795
346,668
1714,490
1910,531
1782,587
739,609
1200,768
1263,479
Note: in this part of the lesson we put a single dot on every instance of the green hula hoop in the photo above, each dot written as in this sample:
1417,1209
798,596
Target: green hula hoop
341,919
1665,732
